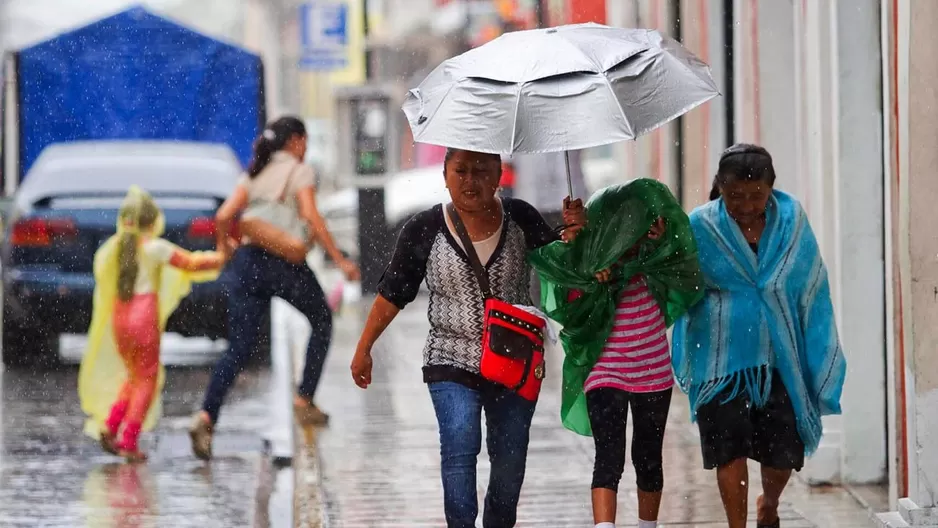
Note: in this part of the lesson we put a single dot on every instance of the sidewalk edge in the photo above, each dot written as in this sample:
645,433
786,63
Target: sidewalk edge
308,501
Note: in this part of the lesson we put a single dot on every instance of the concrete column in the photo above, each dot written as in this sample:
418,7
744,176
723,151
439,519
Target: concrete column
915,143
815,182
859,236
923,250
767,75
809,91
653,155
625,13
260,36
704,129
620,13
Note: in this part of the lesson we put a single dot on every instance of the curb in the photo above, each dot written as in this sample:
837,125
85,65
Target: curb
308,510
308,503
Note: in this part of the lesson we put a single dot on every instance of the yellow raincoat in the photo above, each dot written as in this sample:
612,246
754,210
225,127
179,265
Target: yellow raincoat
102,371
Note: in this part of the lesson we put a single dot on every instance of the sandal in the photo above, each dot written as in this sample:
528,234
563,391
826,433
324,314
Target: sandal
108,442
767,525
200,433
307,414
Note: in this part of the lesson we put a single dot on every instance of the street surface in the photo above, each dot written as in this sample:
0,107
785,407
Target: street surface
378,461
380,456
52,475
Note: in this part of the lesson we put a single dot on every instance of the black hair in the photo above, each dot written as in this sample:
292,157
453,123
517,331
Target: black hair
743,162
450,152
272,139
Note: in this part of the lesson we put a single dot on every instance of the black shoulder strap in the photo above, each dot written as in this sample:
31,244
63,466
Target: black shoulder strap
470,250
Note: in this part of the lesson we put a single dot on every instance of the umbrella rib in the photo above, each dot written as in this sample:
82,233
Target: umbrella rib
625,118
514,121
580,52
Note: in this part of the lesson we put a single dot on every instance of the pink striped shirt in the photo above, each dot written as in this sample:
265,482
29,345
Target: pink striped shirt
636,357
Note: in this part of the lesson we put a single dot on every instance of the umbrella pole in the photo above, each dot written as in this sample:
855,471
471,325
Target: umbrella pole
566,159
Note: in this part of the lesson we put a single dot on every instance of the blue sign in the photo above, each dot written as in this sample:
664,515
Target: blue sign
324,35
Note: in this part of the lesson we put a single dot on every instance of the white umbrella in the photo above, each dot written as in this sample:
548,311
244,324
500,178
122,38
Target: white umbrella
559,89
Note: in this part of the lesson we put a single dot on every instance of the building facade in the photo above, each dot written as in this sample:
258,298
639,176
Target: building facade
842,94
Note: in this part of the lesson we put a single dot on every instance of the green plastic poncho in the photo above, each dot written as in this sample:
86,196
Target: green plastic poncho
619,218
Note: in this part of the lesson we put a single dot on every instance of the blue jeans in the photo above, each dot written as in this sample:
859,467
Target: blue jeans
258,277
508,419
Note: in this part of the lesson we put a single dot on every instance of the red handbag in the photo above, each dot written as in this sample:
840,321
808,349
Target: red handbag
512,339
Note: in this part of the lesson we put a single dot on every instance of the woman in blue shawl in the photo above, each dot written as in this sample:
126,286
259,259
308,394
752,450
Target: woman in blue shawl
759,357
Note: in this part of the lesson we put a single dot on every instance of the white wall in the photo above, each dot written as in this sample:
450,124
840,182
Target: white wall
918,194
261,34
814,140
807,86
816,98
403,16
860,232
704,129
651,156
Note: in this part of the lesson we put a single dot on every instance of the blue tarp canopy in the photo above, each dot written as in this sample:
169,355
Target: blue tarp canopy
136,75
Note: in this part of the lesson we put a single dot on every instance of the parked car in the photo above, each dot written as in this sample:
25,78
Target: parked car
67,207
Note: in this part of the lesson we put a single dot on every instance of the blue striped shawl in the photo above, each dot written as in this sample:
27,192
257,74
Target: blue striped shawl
760,313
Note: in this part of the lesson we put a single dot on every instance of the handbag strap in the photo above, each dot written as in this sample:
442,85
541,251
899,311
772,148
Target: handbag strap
470,250
286,183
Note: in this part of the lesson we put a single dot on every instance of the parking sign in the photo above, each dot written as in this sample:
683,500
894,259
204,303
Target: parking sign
324,35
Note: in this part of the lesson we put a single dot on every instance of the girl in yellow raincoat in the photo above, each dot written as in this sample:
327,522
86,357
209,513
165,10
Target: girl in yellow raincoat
139,280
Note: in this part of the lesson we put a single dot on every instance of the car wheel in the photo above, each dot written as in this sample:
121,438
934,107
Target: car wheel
30,347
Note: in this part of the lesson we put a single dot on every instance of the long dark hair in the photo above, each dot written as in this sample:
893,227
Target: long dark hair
142,216
743,162
272,139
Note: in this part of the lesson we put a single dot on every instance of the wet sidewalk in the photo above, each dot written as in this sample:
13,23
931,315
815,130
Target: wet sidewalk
52,475
380,457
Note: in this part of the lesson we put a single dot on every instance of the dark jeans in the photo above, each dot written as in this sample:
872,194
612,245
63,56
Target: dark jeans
508,420
258,277
608,411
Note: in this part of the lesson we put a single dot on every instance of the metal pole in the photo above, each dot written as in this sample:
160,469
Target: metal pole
372,221
540,13
365,32
566,159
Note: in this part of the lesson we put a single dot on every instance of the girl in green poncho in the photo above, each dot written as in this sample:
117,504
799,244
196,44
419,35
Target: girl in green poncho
622,280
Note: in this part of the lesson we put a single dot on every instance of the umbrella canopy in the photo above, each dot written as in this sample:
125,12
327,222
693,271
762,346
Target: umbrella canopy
558,89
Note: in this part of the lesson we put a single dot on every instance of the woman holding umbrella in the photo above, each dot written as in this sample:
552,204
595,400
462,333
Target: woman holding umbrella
430,249
529,92
759,357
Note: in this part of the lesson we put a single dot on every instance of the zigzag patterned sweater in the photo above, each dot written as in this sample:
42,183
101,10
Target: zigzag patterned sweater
428,251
